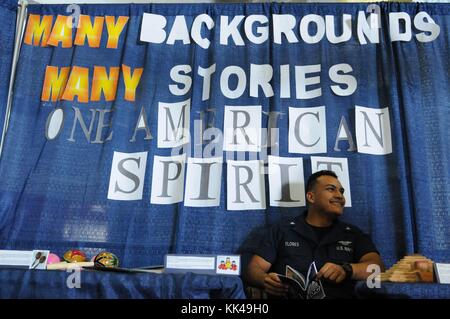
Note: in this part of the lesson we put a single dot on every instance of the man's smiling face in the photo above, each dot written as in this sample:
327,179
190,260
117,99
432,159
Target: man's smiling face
327,195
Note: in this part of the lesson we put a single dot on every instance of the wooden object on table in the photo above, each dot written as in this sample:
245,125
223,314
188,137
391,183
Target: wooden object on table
414,268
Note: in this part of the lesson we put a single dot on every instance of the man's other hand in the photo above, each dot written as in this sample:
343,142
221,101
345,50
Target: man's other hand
274,286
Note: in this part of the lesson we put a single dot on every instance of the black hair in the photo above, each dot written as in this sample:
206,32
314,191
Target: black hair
313,178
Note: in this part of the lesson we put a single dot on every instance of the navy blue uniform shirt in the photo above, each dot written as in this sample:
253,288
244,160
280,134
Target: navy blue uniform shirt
295,243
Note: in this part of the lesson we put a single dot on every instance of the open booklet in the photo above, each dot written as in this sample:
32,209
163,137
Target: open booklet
301,288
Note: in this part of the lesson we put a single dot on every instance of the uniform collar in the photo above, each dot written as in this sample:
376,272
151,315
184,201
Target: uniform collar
300,226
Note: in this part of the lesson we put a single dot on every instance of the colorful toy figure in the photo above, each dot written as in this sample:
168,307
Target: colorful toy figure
222,264
233,266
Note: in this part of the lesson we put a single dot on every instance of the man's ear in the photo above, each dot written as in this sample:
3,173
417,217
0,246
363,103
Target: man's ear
310,197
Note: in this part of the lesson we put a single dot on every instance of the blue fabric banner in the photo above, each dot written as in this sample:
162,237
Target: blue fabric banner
152,129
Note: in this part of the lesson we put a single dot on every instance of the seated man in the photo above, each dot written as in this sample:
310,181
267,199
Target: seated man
341,251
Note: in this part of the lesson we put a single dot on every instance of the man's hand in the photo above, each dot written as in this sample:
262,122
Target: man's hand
332,272
273,285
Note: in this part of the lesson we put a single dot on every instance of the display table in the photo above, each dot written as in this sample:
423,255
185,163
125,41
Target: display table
393,290
17,283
